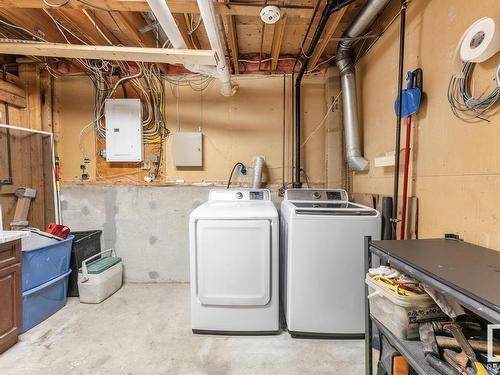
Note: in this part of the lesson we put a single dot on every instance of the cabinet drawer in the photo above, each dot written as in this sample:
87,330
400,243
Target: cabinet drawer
10,253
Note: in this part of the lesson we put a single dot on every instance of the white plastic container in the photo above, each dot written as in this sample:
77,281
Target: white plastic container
96,287
400,314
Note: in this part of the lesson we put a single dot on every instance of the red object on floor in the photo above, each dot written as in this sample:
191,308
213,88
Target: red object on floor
58,230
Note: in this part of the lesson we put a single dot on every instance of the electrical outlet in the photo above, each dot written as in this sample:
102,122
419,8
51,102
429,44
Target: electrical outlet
243,171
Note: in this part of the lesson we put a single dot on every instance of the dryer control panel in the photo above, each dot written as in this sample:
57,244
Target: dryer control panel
321,195
240,195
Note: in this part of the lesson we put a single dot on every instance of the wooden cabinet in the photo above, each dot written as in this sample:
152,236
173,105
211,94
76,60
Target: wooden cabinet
10,293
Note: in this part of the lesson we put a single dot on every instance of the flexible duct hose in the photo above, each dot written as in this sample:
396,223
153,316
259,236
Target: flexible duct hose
258,166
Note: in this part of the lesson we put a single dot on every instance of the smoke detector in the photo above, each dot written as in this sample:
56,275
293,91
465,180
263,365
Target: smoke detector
270,14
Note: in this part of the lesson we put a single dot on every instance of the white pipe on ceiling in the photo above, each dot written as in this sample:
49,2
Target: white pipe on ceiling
207,12
167,22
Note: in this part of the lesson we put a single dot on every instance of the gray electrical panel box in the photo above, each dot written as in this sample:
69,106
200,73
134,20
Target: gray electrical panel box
187,149
124,138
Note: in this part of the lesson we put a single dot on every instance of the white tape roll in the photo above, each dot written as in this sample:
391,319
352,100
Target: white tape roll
481,40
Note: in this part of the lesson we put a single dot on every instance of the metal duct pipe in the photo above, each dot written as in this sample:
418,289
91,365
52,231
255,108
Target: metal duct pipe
331,7
258,166
348,81
207,12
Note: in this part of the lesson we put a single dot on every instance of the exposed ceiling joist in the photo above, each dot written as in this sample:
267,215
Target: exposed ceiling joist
176,6
131,23
79,21
233,42
279,32
34,21
331,27
157,55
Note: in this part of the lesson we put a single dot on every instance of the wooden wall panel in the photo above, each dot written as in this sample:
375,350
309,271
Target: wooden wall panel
455,164
235,129
30,153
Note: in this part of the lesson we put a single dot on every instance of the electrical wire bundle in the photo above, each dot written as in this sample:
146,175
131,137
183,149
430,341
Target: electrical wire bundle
147,84
462,102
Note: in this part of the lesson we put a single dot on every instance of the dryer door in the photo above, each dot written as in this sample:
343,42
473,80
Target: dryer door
233,262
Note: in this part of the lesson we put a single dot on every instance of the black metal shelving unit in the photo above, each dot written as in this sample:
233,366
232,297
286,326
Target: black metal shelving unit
468,273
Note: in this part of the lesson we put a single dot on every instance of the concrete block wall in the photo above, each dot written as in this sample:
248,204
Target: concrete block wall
148,226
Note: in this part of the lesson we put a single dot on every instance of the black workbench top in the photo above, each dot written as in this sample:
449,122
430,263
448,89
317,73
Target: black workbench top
470,269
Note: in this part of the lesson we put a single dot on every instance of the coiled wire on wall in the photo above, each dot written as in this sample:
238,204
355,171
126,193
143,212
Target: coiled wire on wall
462,102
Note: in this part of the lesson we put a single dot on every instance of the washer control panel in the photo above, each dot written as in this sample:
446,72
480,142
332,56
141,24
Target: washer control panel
322,195
240,195
256,195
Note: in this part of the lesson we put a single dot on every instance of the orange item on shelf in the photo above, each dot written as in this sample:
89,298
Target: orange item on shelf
400,366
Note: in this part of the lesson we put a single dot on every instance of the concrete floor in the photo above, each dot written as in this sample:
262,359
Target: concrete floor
145,329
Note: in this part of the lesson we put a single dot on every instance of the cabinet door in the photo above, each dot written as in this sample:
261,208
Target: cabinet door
10,305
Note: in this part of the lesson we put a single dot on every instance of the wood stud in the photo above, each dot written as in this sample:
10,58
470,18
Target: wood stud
233,41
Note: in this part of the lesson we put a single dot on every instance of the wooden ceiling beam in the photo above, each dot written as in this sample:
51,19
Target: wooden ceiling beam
279,32
176,6
99,27
72,19
35,21
157,55
233,41
331,26
131,25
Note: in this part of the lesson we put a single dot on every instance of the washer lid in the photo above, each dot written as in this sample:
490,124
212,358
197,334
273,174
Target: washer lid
331,209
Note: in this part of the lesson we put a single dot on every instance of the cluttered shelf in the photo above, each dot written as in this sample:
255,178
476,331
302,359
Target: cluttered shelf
455,268
410,349
424,285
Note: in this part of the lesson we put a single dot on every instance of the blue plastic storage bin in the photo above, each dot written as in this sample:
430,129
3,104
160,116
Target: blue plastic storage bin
41,302
45,263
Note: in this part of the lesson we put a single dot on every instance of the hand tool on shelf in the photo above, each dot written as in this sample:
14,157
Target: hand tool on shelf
446,342
456,331
431,350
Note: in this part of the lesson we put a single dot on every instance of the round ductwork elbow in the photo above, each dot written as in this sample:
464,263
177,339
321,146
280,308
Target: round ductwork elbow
358,163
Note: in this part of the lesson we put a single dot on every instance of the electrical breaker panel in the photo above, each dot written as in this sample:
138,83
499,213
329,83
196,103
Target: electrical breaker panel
124,138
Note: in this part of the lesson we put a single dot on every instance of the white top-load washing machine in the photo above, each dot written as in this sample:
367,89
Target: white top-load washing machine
322,244
234,258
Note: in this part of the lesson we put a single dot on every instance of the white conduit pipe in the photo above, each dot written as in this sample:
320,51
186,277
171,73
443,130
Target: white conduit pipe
167,22
207,12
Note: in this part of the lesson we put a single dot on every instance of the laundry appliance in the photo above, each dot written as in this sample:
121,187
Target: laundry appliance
234,261
322,256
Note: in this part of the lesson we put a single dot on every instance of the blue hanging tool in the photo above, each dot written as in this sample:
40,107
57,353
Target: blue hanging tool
412,95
